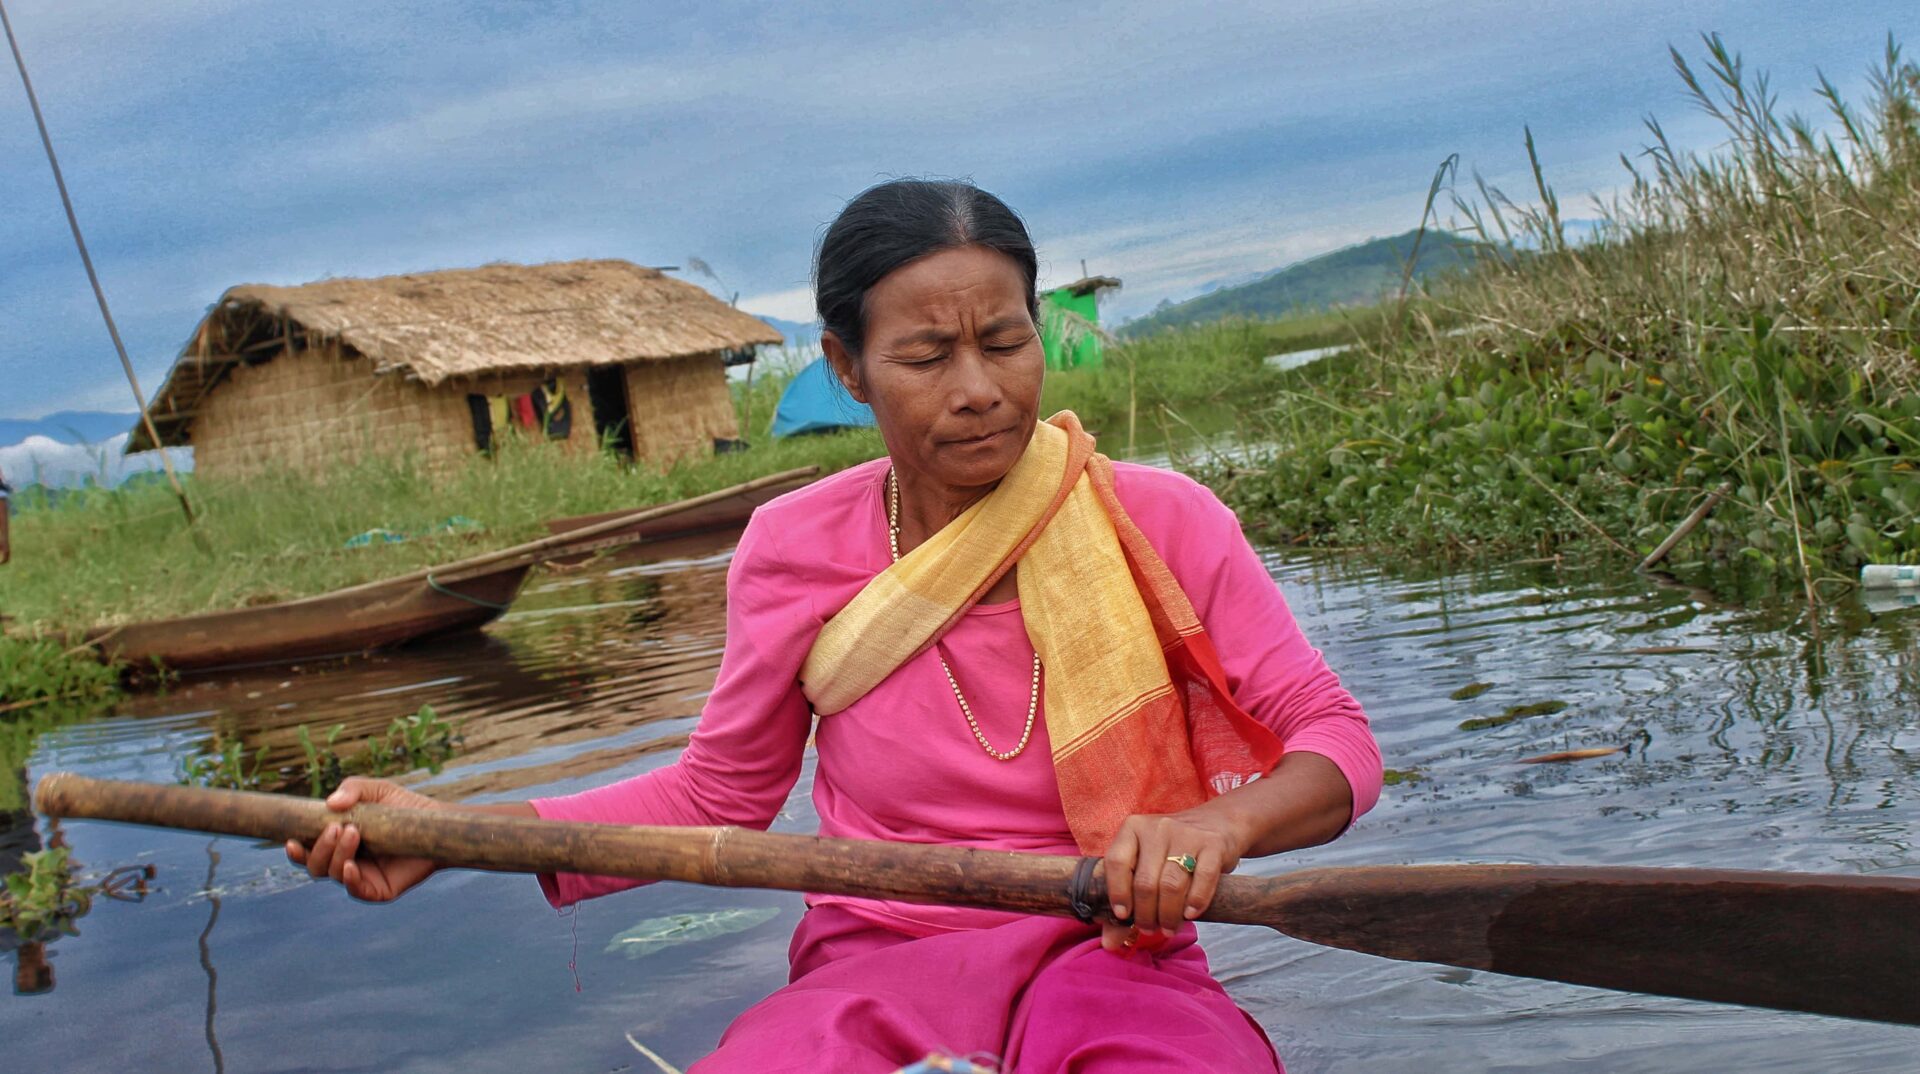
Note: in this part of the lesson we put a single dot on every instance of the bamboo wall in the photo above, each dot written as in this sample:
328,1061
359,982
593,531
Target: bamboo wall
679,407
313,410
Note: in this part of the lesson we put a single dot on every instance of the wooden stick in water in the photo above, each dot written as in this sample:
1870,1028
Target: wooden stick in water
1836,945
1687,524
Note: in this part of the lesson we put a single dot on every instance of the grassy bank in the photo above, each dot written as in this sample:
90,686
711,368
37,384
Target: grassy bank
1209,379
104,556
1745,319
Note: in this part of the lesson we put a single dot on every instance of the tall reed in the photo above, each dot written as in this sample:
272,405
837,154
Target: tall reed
1745,315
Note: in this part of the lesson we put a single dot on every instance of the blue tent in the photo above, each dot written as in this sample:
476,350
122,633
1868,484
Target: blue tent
816,402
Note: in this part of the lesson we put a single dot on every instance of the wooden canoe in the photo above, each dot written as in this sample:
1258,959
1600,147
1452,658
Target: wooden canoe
341,623
714,516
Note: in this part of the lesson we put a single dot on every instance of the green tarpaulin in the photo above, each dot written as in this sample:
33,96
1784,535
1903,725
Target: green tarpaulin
1066,329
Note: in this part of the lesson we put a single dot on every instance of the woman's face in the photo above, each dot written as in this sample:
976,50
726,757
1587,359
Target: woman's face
952,365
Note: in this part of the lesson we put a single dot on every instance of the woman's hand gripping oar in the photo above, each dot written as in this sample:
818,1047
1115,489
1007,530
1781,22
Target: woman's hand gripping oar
1836,945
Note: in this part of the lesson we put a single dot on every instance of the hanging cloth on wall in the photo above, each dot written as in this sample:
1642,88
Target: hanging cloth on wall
479,406
544,409
558,409
526,415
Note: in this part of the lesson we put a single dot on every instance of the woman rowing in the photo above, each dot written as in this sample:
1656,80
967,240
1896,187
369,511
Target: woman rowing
1009,642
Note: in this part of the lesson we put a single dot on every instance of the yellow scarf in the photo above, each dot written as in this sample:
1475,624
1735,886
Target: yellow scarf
1137,706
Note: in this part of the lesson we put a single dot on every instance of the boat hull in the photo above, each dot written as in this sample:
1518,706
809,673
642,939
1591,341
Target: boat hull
728,514
332,624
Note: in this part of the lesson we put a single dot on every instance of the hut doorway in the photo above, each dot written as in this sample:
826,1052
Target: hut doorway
607,395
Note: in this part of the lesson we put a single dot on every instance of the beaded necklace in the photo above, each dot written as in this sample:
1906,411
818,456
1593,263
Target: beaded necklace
1033,698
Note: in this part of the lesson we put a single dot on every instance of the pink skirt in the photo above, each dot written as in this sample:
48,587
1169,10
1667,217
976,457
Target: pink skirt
1038,993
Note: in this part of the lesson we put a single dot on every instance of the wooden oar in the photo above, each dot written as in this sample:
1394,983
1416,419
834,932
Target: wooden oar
1836,945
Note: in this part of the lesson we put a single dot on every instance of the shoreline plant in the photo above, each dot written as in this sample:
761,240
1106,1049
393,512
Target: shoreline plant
1746,318
420,740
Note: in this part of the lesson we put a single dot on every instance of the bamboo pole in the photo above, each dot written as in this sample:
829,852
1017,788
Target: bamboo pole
1686,526
1837,945
99,294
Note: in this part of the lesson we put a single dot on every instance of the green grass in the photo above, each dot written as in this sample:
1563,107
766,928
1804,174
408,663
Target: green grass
1746,318
40,671
1208,379
107,556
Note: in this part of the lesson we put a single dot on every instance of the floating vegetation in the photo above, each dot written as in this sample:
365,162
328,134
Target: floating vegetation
1743,319
1470,691
44,898
656,934
36,671
1394,777
226,767
1517,712
422,740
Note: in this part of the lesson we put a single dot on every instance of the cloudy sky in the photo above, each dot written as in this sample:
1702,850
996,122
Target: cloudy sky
214,142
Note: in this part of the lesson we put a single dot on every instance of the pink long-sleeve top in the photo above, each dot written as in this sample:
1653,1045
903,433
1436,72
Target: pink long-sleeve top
901,763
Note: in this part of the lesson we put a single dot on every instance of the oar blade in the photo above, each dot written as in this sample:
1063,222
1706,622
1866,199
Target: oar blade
1836,945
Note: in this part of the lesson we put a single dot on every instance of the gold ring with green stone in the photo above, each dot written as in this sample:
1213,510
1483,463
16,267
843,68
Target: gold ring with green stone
1185,861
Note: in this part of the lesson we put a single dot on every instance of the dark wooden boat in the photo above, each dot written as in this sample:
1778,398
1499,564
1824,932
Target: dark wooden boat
437,600
341,623
700,518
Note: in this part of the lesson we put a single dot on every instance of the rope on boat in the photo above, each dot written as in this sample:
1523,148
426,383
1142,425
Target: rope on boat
434,584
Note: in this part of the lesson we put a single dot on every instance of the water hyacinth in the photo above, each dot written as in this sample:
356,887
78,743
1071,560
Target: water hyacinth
1743,318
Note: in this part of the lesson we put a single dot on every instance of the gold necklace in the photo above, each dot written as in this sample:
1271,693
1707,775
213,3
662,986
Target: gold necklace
1033,698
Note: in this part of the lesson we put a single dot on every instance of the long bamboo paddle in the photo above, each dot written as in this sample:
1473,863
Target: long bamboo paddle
1836,945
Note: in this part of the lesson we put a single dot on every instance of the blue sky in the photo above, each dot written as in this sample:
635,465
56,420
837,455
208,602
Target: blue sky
213,142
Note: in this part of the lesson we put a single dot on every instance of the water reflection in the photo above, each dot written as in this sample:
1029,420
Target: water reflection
35,917
206,956
1750,741
576,679
32,973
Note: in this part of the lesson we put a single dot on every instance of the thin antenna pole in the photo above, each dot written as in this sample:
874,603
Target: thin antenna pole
93,277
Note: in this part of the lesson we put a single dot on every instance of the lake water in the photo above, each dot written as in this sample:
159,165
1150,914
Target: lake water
1748,744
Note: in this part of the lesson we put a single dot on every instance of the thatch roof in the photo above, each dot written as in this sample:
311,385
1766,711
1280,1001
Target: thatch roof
1089,285
434,326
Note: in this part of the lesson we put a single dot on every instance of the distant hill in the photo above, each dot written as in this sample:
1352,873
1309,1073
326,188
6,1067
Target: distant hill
68,426
798,334
1356,275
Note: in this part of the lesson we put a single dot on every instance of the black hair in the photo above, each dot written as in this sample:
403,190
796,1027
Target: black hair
903,220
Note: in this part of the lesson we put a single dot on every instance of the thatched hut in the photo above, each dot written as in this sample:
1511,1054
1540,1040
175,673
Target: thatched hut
436,363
